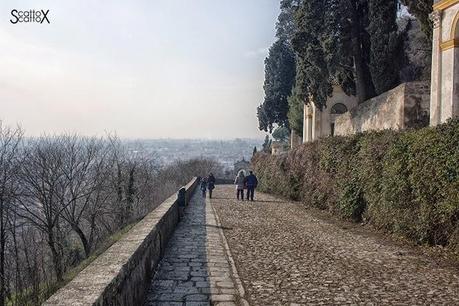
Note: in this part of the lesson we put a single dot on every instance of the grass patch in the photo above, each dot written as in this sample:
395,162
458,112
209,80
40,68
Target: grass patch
47,290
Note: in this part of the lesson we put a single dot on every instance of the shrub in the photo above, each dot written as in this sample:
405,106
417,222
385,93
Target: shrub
405,183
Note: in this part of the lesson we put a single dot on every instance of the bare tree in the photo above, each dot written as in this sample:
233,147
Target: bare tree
43,186
61,189
81,181
10,140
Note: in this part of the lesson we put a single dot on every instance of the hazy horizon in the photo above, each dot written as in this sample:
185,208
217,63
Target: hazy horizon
143,69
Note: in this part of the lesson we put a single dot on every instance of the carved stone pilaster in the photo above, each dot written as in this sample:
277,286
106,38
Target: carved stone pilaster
435,17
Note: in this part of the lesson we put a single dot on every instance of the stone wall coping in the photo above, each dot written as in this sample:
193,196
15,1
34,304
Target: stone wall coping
361,108
405,106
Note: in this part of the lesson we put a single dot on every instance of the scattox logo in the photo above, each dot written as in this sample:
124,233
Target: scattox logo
36,16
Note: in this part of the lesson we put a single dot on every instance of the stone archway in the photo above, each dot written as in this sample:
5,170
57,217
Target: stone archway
444,100
454,34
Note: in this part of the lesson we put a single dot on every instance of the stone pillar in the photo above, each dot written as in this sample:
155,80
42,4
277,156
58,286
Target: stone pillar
307,125
316,123
435,96
455,104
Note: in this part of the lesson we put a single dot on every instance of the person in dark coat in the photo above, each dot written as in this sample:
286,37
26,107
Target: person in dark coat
210,184
251,184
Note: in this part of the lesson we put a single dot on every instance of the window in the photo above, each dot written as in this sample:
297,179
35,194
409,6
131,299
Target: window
338,109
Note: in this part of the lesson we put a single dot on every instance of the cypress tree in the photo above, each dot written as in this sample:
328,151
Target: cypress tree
314,79
295,112
386,44
421,9
280,69
279,80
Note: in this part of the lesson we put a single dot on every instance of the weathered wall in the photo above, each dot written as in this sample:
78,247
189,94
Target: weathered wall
406,106
119,275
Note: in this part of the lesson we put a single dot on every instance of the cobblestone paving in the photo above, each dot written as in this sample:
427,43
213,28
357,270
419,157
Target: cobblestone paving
195,269
289,255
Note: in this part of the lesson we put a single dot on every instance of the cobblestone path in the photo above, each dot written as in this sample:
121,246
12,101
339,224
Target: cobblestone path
289,255
196,268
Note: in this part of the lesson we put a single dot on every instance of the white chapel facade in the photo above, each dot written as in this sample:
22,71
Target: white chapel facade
444,99
317,123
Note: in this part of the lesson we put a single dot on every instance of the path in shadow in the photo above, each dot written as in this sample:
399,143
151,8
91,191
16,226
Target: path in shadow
194,267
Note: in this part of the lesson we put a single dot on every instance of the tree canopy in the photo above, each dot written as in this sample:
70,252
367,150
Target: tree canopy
351,43
281,134
357,45
421,9
279,72
279,78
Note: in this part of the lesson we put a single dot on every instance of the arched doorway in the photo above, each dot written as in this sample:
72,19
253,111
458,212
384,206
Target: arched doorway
454,34
444,98
335,111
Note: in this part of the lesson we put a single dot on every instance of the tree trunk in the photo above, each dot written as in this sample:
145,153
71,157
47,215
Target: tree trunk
363,82
57,260
18,285
84,240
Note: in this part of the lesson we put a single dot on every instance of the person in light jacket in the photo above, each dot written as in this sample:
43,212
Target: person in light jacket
239,182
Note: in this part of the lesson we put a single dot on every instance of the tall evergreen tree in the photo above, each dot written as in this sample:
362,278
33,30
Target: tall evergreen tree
285,26
351,43
314,77
295,112
281,133
279,72
279,80
386,44
352,26
421,9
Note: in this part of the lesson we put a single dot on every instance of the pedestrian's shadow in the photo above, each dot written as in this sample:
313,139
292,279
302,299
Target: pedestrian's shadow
269,201
220,227
221,198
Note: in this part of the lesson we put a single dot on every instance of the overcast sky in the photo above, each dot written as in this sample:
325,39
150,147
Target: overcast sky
143,69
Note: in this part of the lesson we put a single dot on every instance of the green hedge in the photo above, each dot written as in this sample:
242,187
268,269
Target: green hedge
405,183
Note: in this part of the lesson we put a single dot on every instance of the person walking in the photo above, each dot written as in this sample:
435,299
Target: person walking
210,184
251,183
239,182
204,187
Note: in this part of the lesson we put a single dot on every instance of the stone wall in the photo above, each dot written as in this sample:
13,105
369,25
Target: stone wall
406,106
119,276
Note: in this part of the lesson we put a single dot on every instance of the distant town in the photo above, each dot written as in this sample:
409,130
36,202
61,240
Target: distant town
227,152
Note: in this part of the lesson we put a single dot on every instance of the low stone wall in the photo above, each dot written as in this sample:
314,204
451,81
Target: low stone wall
119,276
406,106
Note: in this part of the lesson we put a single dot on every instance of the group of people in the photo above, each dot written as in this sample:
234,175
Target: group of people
242,182
248,182
208,183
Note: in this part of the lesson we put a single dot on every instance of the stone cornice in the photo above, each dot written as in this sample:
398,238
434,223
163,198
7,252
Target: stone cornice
449,44
444,4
